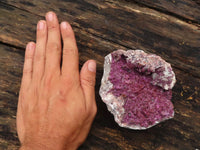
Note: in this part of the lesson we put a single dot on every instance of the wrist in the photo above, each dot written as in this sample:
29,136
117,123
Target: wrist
40,144
40,147
34,146
48,145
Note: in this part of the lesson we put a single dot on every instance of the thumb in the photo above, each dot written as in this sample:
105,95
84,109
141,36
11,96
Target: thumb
87,78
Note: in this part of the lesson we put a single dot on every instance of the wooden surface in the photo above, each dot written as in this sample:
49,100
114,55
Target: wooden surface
170,29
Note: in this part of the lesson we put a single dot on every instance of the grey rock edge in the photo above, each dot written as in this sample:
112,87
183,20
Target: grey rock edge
115,104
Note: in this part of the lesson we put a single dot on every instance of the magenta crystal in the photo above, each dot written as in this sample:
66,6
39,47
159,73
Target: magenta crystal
136,87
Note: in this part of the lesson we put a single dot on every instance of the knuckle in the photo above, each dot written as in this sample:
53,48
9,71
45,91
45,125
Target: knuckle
39,57
53,47
67,51
41,34
27,71
68,34
88,81
28,56
53,27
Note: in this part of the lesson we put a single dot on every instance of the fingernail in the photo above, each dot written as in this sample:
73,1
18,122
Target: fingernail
92,66
30,46
64,25
50,16
41,25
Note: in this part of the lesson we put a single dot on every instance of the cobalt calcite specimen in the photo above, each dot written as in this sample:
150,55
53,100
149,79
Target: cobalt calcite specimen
136,88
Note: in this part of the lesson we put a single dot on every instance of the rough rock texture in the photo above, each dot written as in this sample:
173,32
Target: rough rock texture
136,87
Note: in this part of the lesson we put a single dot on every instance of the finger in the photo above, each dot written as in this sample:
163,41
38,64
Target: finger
39,58
70,64
20,122
53,49
87,77
28,64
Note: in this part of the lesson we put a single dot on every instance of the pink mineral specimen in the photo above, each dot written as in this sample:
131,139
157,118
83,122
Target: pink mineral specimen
136,88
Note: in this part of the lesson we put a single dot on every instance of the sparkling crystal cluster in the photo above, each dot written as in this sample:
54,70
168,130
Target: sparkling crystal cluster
136,88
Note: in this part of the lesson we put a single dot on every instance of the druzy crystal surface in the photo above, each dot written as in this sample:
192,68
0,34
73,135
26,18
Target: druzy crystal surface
136,88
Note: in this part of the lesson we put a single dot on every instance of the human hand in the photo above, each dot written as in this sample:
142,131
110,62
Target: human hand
56,104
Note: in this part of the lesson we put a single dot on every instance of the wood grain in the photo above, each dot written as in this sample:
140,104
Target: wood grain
178,133
130,26
11,61
188,10
100,28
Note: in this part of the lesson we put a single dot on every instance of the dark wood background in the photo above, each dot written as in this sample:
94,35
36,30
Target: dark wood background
169,28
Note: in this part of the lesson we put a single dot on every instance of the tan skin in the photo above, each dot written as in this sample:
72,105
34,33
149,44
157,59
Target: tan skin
56,104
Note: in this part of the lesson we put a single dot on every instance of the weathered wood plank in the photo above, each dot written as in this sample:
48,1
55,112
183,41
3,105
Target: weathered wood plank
188,10
95,41
130,26
182,132
10,72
